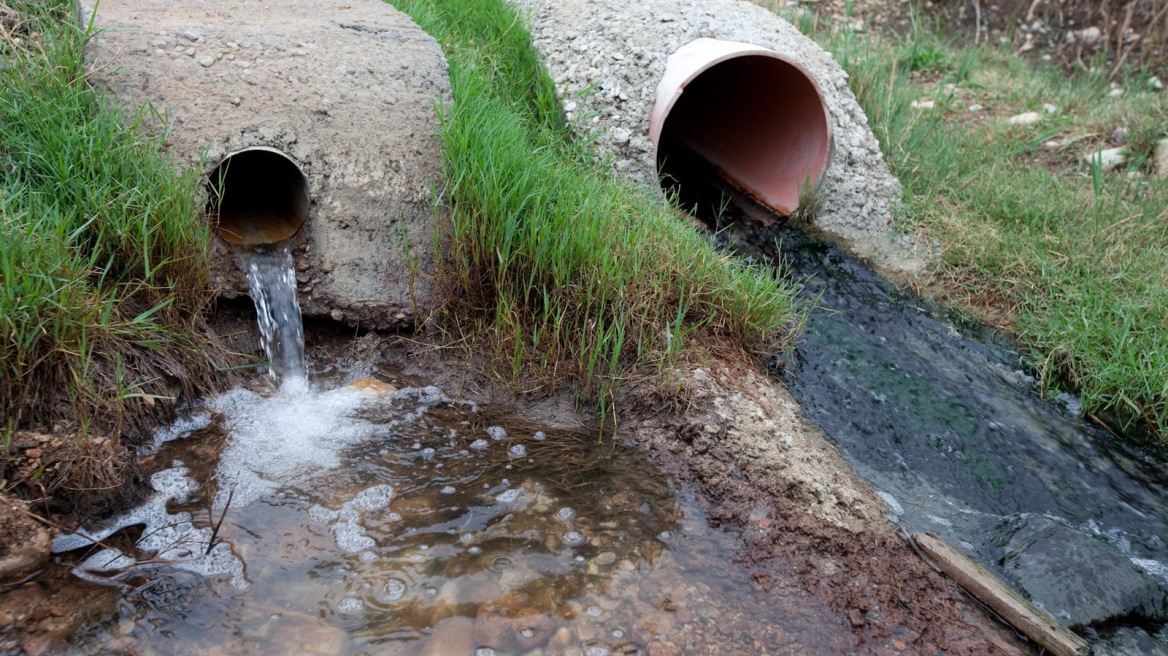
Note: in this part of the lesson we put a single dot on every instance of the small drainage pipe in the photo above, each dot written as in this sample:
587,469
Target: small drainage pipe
756,116
258,196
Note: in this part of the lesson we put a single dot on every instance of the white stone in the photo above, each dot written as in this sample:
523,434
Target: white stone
1108,158
1160,159
927,103
1090,35
1025,118
1050,109
1115,93
976,107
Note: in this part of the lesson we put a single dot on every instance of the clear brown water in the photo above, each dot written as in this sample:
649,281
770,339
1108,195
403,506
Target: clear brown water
414,524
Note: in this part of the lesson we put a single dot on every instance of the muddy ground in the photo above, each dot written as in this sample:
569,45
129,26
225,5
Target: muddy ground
805,522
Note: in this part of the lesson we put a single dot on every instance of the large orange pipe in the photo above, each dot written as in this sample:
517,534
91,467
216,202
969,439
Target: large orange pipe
755,115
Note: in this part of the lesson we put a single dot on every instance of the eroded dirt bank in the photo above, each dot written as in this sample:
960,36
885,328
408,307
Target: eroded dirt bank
806,519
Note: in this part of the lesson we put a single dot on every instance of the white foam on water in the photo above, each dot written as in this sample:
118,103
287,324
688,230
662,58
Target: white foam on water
171,538
284,439
348,523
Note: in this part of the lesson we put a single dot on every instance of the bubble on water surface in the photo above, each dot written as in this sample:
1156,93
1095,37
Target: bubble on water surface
479,444
573,538
394,517
393,590
428,453
517,451
540,436
373,498
596,651
497,432
617,633
592,611
449,489
565,514
350,606
474,551
508,496
484,651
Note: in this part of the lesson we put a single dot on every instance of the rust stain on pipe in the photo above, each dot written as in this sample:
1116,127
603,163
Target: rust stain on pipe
258,196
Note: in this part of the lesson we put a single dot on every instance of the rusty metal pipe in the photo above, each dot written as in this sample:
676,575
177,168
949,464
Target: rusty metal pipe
258,196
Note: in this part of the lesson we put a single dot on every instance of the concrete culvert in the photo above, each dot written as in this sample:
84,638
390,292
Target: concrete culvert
257,196
753,115
315,124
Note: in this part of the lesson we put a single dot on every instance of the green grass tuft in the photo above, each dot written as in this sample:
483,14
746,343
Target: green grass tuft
1073,260
102,262
572,277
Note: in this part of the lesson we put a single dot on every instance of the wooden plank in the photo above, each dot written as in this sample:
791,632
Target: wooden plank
1020,613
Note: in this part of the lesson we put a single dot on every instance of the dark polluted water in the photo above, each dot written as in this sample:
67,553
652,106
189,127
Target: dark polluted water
367,520
944,421
942,418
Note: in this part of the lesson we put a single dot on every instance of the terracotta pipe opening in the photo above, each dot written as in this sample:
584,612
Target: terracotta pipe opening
742,113
258,196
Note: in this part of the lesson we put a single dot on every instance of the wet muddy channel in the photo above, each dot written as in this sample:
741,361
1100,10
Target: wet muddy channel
943,419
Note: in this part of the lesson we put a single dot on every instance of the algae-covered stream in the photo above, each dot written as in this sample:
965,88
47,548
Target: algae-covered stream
945,422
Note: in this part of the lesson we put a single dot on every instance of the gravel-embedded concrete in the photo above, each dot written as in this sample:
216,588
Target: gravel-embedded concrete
348,91
607,56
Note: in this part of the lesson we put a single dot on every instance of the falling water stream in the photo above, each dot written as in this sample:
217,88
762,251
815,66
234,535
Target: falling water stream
271,279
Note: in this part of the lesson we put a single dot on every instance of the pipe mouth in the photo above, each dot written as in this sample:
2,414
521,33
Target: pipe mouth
757,118
258,196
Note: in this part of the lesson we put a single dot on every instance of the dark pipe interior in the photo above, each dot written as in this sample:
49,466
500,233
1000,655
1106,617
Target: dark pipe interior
257,196
757,121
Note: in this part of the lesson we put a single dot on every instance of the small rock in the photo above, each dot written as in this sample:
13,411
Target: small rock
452,636
1119,136
1050,109
663,649
1108,158
927,103
1025,118
1115,93
976,107
337,315
1089,35
206,62
192,35
1160,159
1155,84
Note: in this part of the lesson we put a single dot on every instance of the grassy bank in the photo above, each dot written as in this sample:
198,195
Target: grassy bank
102,260
1032,234
571,277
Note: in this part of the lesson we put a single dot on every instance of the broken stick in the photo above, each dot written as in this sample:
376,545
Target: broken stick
1021,614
